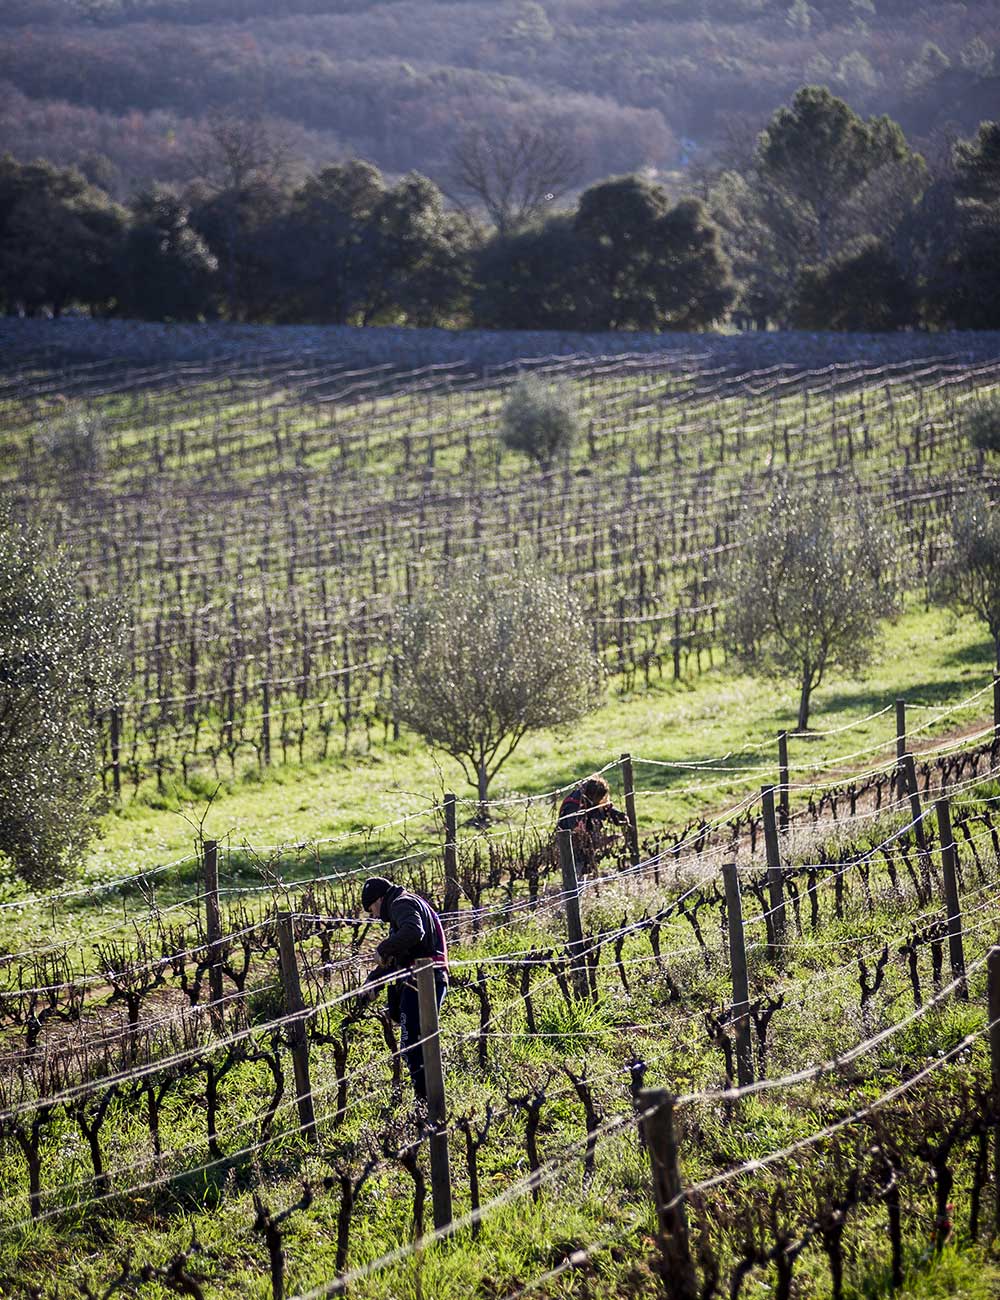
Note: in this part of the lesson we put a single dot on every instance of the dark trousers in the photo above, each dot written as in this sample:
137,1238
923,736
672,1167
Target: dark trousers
409,1029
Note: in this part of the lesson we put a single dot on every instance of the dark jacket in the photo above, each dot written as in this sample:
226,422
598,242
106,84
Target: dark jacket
415,930
574,811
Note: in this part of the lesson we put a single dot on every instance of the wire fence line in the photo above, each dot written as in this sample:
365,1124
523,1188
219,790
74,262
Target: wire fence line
762,1162
808,1075
192,1053
277,886
523,958
436,811
556,1165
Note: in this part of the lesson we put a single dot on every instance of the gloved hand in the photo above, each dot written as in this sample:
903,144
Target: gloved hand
372,987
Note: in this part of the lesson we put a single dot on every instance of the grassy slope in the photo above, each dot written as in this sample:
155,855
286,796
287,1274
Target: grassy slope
928,658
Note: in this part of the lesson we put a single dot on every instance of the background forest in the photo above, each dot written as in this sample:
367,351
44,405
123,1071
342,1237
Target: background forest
127,89
570,166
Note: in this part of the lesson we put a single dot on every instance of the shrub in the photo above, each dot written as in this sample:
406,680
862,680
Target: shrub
540,419
76,447
981,423
967,577
61,665
811,577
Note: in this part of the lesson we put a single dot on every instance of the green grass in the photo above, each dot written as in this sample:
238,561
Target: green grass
954,1275
611,1223
927,657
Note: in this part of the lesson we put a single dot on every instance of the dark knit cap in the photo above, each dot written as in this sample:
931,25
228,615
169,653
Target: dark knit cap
374,887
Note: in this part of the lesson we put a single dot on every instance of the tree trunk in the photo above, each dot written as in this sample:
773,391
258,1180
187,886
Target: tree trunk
153,1121
803,722
29,1142
942,1219
835,1255
472,1159
212,1109
276,1256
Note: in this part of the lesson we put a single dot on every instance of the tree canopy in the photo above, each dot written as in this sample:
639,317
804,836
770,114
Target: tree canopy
653,84
821,178
541,419
967,578
58,237
812,576
483,659
814,155
832,221
61,658
166,270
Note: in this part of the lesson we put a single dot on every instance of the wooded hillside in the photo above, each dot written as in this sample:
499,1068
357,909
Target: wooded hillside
125,88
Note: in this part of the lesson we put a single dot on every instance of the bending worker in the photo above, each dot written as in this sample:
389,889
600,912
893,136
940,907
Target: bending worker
584,811
415,931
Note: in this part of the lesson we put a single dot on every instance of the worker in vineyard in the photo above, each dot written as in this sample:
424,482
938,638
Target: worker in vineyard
584,812
415,931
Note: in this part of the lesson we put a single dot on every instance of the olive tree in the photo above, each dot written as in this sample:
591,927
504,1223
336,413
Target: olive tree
75,447
967,579
981,422
811,577
60,667
484,659
540,419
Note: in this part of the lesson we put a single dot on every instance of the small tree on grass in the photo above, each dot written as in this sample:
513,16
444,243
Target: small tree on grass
981,422
540,419
484,659
60,667
812,575
968,578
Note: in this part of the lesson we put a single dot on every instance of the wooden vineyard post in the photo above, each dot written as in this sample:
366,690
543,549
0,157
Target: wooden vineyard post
451,887
213,930
571,895
298,1042
996,705
783,809
628,786
993,1011
437,1106
116,752
775,884
738,964
909,784
676,1266
265,724
900,729
948,865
